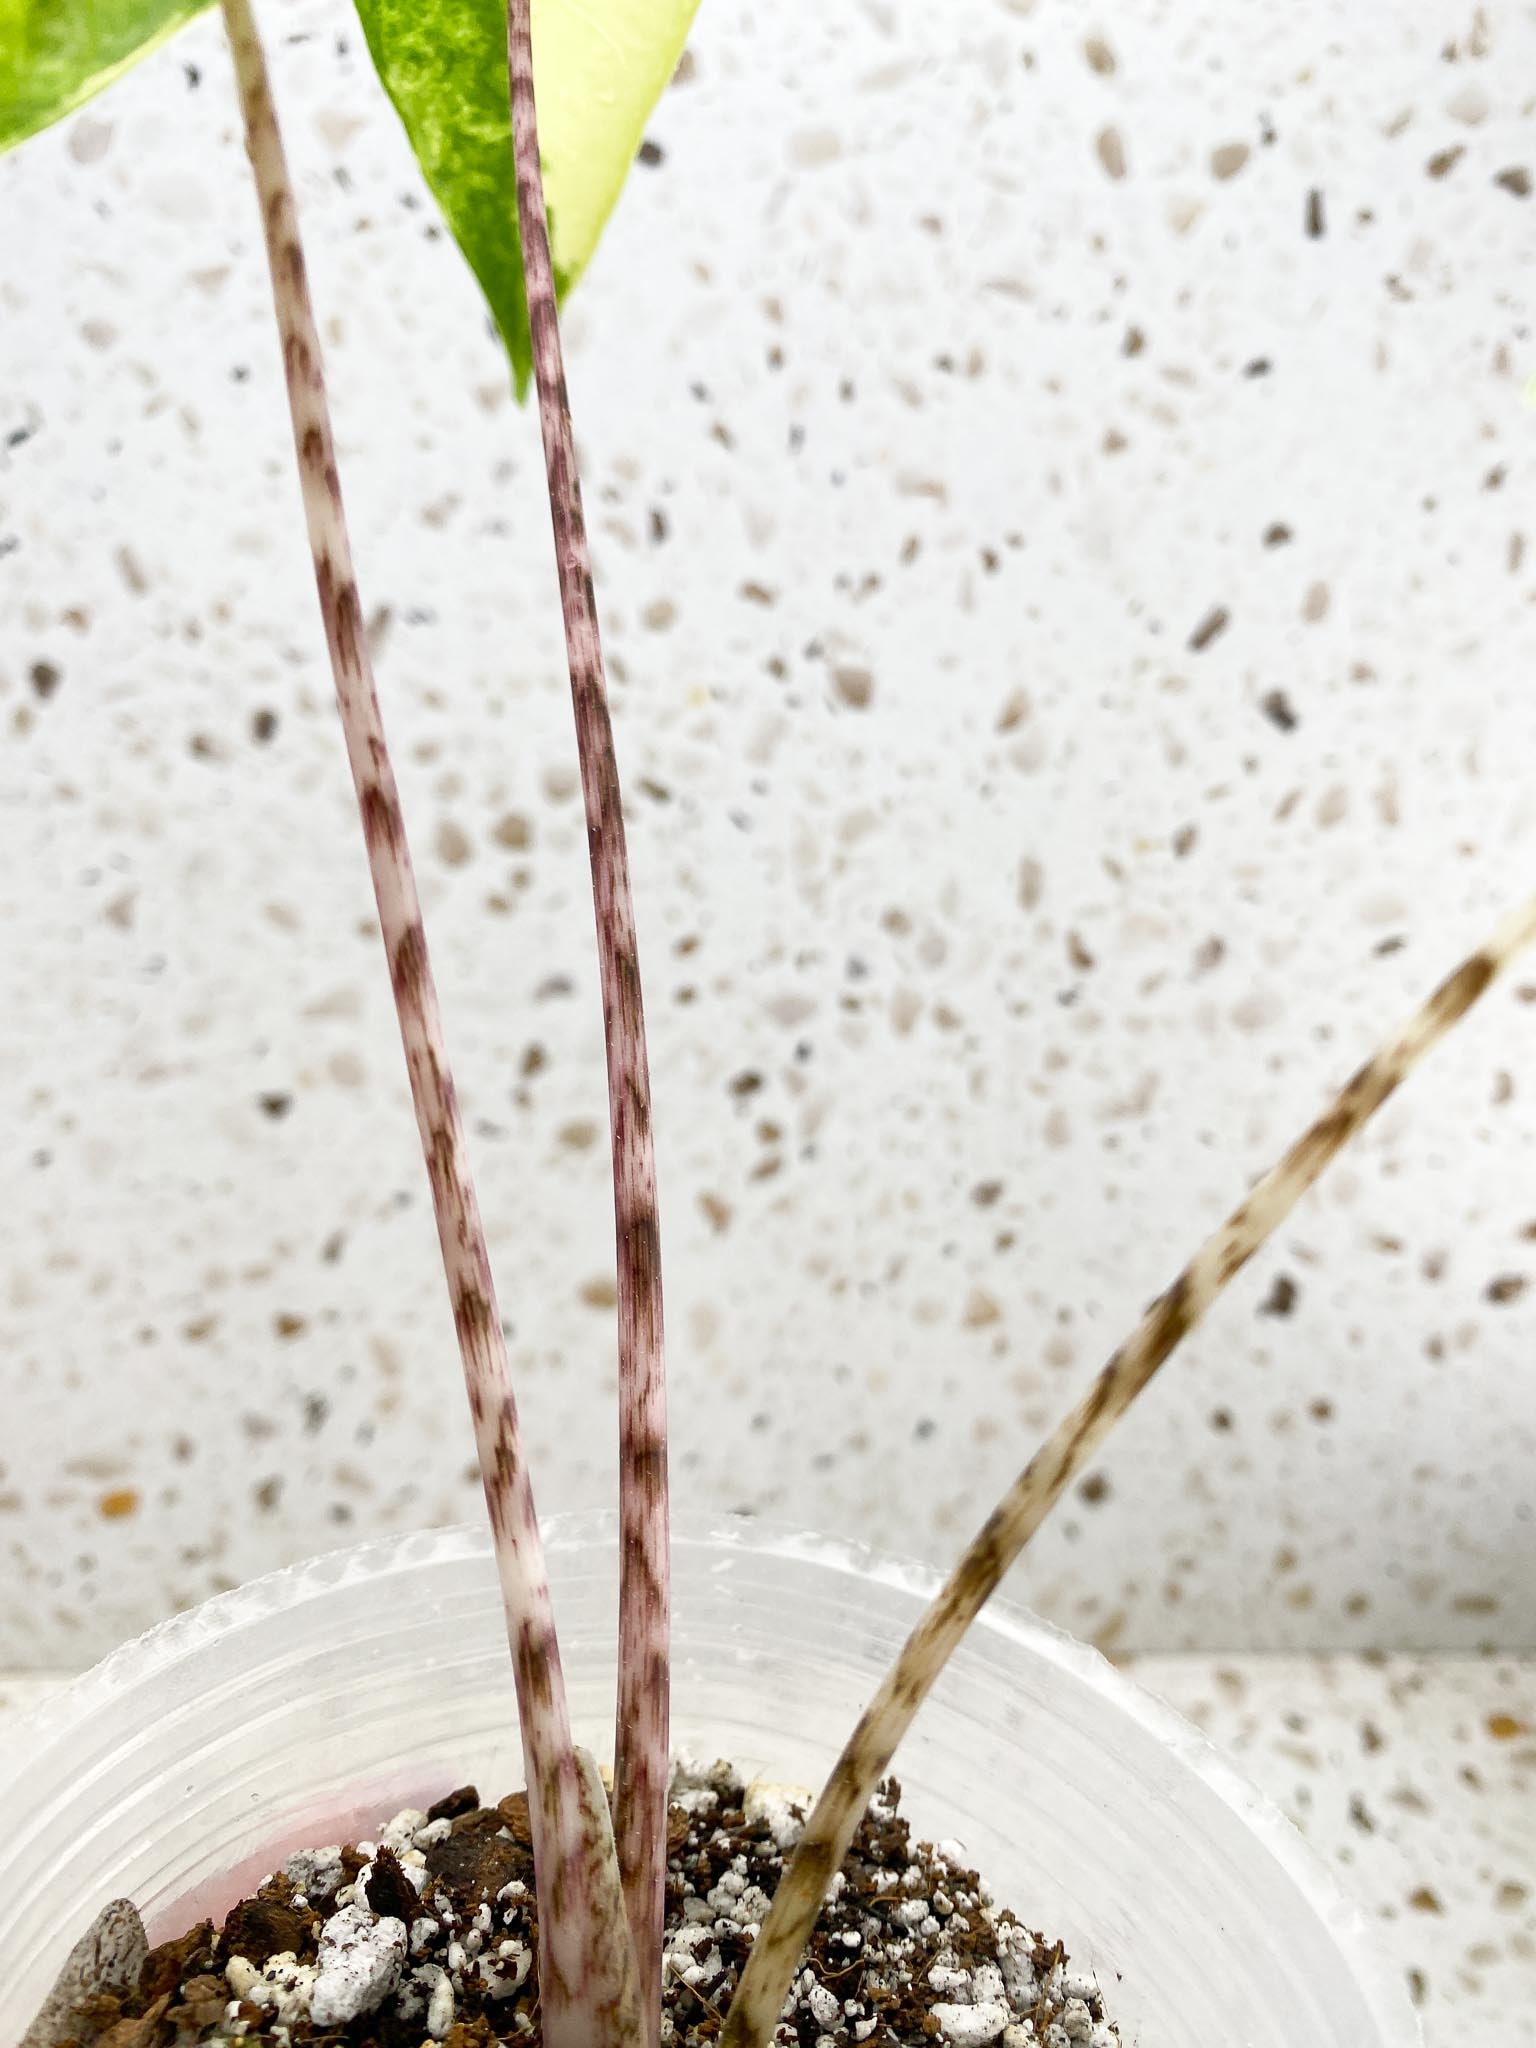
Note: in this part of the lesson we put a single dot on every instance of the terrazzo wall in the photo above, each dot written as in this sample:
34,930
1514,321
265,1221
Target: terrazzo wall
1061,481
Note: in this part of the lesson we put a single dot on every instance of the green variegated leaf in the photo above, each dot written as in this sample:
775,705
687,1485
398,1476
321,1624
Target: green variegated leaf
56,53
600,66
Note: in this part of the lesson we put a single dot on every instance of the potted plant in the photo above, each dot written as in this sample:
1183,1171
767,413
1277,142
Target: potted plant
663,1906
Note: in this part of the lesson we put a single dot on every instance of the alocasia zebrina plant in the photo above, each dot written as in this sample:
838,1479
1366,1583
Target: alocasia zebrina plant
450,66
587,1978
458,71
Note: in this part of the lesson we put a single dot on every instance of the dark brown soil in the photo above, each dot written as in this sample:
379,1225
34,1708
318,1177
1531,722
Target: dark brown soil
908,1951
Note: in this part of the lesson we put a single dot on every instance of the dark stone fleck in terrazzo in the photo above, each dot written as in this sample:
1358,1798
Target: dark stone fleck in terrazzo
1505,1288
1276,707
1281,1299
1210,628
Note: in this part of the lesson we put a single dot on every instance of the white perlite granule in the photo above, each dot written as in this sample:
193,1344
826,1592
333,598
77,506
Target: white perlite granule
971,2026
361,1960
781,1808
315,1872
281,1987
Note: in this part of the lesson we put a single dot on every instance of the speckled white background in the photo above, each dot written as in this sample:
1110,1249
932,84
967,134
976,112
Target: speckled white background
954,373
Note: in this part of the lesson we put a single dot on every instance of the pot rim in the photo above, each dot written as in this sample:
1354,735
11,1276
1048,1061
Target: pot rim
313,1578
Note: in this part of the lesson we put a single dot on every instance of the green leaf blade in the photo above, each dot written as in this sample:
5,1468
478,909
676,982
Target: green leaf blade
57,54
443,64
600,66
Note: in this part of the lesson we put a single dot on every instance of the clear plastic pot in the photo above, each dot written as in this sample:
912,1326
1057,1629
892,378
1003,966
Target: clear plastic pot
312,1702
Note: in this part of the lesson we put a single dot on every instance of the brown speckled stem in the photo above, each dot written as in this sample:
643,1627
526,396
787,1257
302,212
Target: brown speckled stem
869,1750
580,2003
642,1737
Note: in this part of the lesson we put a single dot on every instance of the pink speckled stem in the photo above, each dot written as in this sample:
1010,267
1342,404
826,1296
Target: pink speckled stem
867,1755
642,1737
567,1853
